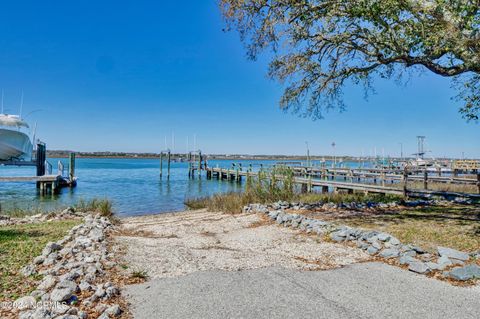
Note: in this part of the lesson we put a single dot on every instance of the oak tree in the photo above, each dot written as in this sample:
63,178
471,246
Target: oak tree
319,45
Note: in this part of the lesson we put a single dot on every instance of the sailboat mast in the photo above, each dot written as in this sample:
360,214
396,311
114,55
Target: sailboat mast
21,105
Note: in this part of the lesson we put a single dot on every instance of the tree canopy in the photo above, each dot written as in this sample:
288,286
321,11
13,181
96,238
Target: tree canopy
319,45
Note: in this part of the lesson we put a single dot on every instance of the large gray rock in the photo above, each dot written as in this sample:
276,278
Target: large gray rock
465,273
407,259
337,236
390,253
418,267
383,236
48,282
51,247
452,253
394,241
61,294
372,250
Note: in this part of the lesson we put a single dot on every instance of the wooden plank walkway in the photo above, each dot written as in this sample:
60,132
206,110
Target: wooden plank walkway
308,183
380,174
45,178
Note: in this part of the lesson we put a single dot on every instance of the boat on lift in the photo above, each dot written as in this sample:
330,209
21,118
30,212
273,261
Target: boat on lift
15,143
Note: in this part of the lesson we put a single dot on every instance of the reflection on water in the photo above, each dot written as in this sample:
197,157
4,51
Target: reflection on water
134,185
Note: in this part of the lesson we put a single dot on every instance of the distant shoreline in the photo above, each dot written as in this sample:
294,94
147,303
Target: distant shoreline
236,157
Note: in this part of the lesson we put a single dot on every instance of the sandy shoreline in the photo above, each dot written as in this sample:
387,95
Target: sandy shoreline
175,244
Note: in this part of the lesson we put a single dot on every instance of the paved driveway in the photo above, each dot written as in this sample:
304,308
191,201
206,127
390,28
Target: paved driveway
367,290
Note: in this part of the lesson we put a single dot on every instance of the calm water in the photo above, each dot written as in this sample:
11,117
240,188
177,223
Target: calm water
134,185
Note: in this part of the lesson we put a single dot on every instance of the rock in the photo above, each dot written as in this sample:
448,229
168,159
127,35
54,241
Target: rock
112,291
444,262
28,270
394,241
452,253
406,259
418,250
47,283
62,293
390,253
114,310
411,253
37,294
67,284
337,237
60,309
27,302
85,286
38,260
383,236
465,273
100,292
101,307
38,313
372,250
418,267
96,234
50,247
377,245
372,239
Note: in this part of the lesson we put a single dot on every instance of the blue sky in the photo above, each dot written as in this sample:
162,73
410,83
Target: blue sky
122,75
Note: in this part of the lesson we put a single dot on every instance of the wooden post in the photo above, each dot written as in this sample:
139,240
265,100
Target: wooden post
168,163
425,179
478,182
199,164
405,180
161,165
41,157
71,168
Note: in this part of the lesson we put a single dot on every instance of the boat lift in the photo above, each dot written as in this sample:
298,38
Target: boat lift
46,180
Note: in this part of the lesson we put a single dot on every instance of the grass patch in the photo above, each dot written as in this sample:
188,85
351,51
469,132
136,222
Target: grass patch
139,274
20,212
346,198
102,206
451,226
19,244
233,203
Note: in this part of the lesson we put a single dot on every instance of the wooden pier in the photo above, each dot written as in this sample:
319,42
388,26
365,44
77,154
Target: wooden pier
46,181
354,180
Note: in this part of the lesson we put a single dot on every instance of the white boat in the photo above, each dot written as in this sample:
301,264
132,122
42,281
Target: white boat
15,144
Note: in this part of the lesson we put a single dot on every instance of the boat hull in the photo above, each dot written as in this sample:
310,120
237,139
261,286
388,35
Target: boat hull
14,145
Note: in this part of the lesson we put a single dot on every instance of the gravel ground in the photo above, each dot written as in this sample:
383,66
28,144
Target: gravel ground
170,245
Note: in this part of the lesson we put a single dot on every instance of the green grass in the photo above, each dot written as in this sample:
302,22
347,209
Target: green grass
268,187
346,198
19,212
19,244
233,203
101,206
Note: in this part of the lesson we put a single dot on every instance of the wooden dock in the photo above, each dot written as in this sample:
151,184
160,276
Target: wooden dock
354,180
45,181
